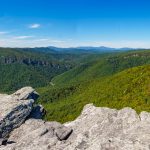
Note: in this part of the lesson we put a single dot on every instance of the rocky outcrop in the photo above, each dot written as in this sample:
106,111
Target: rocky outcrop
36,134
25,94
26,61
14,109
34,62
21,126
110,129
95,129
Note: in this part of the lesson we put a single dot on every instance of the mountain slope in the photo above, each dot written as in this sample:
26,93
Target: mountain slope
127,88
27,67
103,66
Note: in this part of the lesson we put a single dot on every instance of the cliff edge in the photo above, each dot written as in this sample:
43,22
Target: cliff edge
21,127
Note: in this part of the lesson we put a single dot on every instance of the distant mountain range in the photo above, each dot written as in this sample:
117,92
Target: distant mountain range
82,49
90,48
103,48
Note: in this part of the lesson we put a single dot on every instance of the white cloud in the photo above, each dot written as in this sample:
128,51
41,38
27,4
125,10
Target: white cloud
22,37
34,26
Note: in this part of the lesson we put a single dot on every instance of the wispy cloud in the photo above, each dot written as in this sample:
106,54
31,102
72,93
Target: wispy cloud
34,26
3,32
22,37
39,40
57,41
31,41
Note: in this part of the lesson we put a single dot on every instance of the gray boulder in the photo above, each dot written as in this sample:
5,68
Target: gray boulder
36,134
14,109
109,129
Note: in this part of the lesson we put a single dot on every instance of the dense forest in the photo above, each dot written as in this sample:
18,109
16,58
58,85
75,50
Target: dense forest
116,81
68,79
33,67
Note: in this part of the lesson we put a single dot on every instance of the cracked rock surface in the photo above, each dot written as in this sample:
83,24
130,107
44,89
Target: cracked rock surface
109,129
14,109
97,128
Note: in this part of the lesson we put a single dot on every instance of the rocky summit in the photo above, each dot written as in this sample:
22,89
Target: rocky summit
21,127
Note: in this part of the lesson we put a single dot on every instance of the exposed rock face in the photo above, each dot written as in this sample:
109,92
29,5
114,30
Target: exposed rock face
36,134
95,129
110,129
38,112
33,62
26,93
14,109
18,133
25,60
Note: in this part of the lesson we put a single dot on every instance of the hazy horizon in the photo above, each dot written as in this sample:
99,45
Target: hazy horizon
75,47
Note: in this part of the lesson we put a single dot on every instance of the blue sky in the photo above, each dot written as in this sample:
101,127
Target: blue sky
71,23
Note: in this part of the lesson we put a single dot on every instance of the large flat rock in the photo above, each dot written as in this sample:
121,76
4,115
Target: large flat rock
36,134
95,129
110,129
